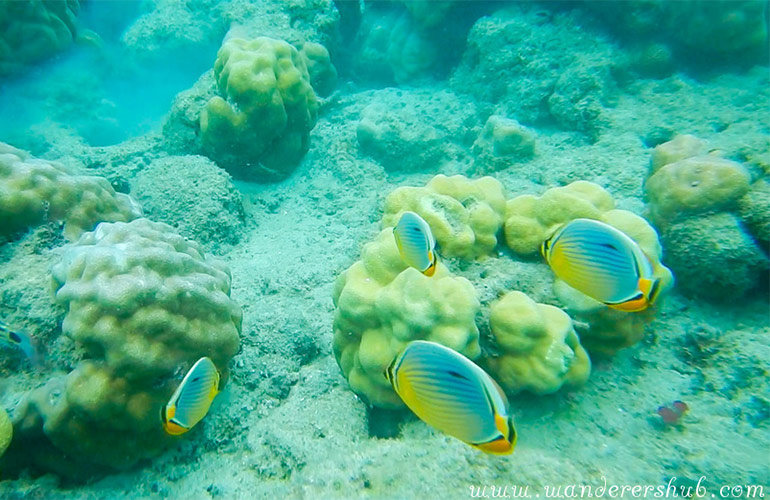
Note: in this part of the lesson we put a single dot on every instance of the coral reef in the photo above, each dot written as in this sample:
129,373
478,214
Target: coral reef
715,30
516,64
381,305
501,142
530,220
34,191
144,304
465,215
407,131
696,201
202,204
258,126
539,350
323,74
33,30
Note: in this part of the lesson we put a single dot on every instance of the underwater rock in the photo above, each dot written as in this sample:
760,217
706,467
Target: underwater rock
258,127
194,195
31,31
415,130
501,142
145,304
465,215
754,211
520,63
713,257
679,148
539,350
381,305
35,191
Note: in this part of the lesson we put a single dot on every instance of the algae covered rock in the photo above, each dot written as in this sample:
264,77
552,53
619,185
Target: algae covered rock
381,305
465,215
501,142
35,191
258,126
713,257
539,350
194,195
754,211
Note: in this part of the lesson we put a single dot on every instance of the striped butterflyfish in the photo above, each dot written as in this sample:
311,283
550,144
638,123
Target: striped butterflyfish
416,243
192,399
603,263
449,392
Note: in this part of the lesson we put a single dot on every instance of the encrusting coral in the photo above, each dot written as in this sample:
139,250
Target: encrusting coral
539,350
258,127
465,215
381,305
145,304
34,191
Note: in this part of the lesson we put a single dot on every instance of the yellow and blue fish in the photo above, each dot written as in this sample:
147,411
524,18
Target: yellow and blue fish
192,399
416,243
603,263
451,393
19,339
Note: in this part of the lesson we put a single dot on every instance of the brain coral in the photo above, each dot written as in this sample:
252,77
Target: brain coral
258,127
32,30
465,215
381,305
145,304
33,191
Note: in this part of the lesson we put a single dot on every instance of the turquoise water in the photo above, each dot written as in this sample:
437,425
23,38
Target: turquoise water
218,179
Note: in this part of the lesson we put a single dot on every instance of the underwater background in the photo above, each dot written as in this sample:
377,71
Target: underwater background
182,179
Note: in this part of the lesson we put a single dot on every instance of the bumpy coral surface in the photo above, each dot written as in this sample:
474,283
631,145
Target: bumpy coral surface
145,304
33,191
381,305
33,30
530,220
258,126
539,349
323,74
695,185
465,215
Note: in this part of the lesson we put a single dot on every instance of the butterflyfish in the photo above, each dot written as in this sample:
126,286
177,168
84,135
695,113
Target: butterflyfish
449,392
416,243
20,340
603,263
192,399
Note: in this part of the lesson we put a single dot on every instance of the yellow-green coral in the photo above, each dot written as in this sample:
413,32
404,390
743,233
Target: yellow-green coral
539,350
695,185
6,431
32,30
530,220
145,304
465,215
33,191
381,305
680,147
258,126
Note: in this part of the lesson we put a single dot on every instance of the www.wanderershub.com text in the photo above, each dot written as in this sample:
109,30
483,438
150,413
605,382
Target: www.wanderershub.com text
607,490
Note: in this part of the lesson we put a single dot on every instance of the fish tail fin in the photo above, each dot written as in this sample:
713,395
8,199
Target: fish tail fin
650,288
431,270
